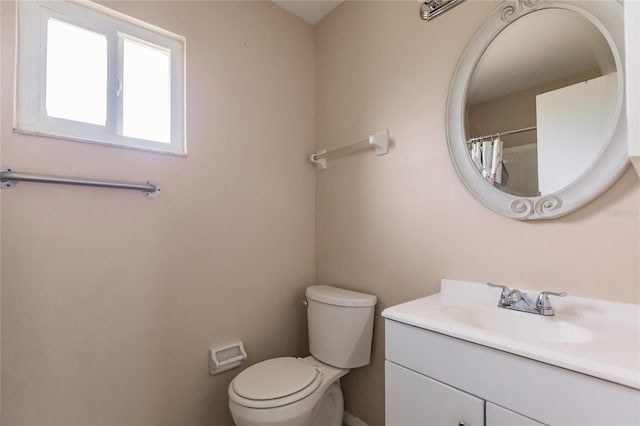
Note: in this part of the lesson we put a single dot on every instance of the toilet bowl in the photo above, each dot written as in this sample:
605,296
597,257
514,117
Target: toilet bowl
291,391
287,392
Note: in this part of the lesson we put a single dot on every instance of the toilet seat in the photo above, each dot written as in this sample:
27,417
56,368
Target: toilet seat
274,383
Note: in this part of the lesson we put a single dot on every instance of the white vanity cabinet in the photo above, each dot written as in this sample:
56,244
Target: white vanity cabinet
412,398
498,416
415,400
435,379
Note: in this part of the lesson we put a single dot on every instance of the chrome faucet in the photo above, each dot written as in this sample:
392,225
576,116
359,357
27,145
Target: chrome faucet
519,301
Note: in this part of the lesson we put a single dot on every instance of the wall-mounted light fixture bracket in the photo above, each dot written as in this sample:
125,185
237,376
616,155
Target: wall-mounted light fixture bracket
431,8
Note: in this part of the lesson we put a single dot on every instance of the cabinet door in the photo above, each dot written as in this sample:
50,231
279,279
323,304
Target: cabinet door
498,416
412,399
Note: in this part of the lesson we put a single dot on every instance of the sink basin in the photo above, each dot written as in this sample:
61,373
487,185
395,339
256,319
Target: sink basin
513,324
596,337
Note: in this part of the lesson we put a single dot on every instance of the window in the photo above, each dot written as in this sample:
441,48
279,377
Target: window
91,74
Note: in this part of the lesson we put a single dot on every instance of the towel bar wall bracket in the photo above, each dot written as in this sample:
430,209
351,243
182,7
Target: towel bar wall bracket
9,179
318,161
379,140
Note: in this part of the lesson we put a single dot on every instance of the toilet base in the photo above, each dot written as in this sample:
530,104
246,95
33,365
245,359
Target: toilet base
330,409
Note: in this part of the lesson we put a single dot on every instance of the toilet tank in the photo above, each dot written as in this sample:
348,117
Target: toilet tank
340,325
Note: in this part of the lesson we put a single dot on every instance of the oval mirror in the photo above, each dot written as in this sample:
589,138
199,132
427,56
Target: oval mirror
535,116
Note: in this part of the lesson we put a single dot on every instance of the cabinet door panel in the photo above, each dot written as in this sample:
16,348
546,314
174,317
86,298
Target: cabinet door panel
498,416
568,398
416,400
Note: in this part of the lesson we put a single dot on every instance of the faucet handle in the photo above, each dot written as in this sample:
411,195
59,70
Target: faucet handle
543,300
504,288
506,292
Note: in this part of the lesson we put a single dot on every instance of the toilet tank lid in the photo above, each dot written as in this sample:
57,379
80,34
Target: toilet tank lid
339,296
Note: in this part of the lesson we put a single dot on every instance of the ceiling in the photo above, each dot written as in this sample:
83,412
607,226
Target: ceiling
548,45
311,11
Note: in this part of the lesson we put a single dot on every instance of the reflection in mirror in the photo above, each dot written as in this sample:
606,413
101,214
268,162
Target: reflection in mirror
531,125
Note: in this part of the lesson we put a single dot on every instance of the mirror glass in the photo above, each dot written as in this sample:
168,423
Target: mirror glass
530,121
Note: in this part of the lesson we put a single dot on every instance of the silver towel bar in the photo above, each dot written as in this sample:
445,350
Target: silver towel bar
9,179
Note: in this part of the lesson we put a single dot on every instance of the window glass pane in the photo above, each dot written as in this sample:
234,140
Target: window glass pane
146,92
76,73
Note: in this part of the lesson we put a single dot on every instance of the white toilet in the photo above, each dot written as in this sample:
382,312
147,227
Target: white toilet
306,391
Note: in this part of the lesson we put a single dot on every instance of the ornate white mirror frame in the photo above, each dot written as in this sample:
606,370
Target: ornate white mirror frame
608,17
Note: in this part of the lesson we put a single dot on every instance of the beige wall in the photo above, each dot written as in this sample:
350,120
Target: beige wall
110,301
2,124
395,225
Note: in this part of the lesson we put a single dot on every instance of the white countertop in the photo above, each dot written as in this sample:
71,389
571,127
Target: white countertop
607,345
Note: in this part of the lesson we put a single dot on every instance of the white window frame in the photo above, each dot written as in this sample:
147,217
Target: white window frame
30,112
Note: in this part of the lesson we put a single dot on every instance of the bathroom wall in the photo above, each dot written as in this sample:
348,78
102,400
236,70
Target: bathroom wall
1,162
110,301
395,225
